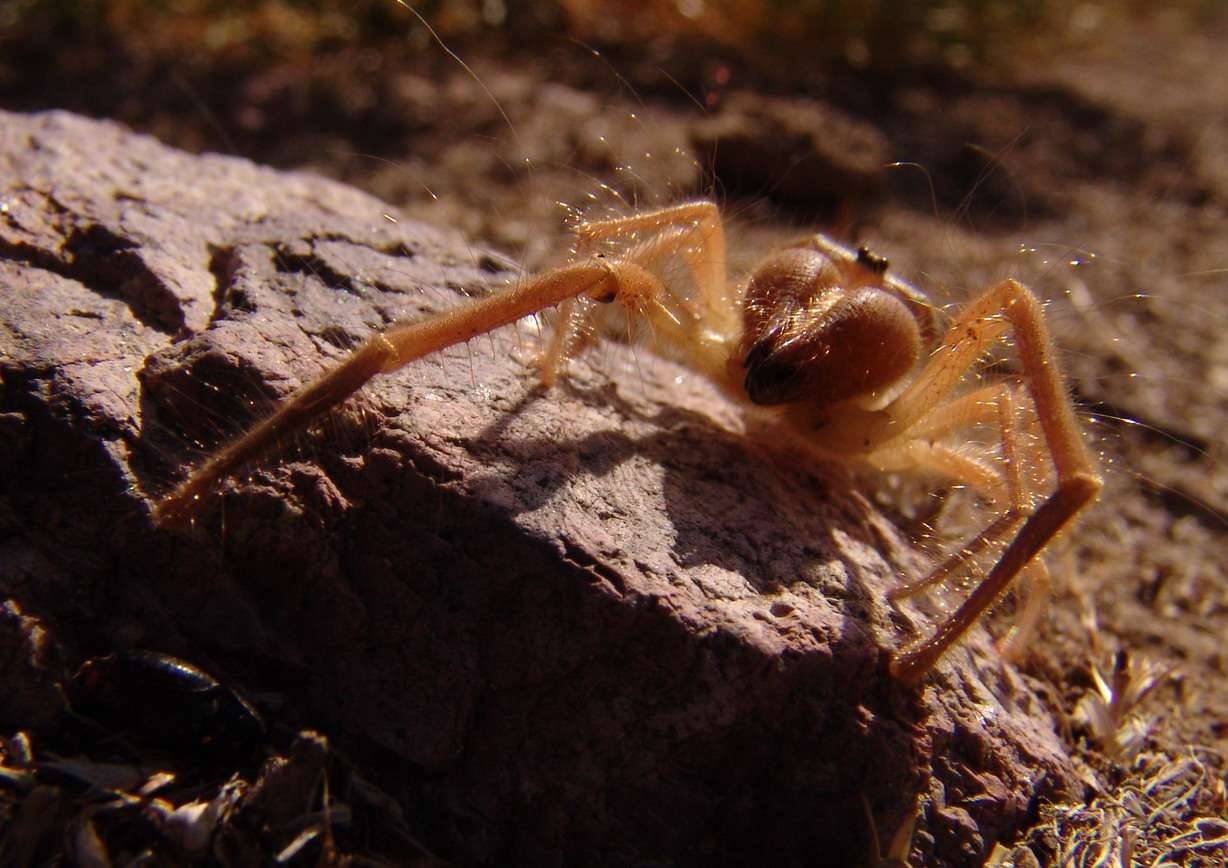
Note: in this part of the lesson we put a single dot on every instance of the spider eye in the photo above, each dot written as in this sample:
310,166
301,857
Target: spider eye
868,259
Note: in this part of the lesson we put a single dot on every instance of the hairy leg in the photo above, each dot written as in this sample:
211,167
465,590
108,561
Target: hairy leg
985,321
690,230
383,353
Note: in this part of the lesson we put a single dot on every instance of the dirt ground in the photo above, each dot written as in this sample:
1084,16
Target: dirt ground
1092,170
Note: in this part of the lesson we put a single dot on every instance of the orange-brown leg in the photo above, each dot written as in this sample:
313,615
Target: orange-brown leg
995,402
564,337
1054,514
698,237
975,408
388,351
1036,592
699,327
984,321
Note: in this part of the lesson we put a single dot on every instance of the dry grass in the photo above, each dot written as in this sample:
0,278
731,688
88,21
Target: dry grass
1163,810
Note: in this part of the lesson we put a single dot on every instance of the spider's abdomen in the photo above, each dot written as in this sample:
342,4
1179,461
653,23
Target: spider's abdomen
822,331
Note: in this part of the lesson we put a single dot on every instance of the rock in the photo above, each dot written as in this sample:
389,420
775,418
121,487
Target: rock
598,626
797,151
28,668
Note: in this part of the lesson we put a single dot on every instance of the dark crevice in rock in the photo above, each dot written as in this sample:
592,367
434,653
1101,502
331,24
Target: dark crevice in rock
113,265
312,265
223,264
109,265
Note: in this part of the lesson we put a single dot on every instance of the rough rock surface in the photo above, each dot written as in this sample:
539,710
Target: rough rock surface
598,626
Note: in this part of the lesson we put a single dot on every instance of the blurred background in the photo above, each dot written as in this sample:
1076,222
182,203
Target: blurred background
365,92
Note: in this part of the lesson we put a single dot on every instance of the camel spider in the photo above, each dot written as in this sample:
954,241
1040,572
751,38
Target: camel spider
848,354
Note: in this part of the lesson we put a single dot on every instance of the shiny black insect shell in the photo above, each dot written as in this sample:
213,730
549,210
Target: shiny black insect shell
164,702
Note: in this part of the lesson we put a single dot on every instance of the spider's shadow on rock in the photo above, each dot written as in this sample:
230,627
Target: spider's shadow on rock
740,505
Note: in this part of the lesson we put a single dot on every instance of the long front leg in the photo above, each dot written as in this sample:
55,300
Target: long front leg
382,353
1043,525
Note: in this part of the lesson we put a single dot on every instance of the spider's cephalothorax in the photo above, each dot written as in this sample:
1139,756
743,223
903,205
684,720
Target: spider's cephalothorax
852,355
